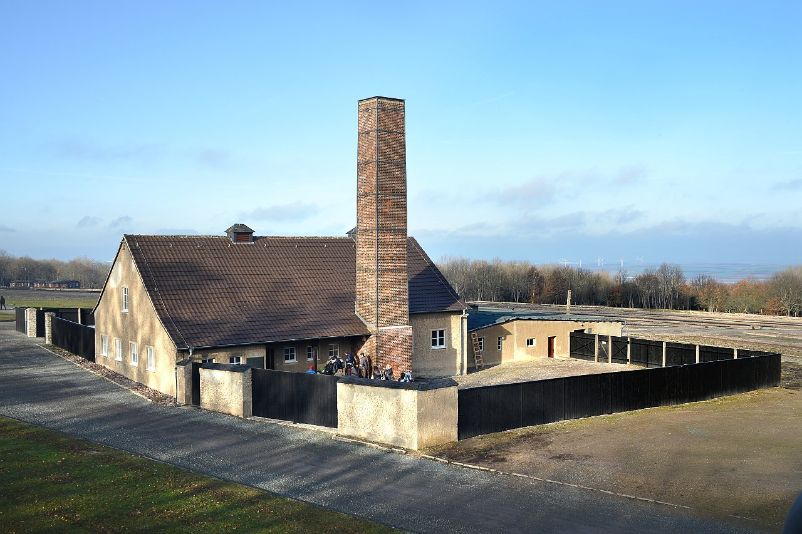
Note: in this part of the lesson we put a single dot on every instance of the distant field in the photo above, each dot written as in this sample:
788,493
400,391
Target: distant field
51,482
37,298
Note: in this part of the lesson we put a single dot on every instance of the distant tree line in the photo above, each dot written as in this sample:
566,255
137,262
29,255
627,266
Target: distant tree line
665,287
90,273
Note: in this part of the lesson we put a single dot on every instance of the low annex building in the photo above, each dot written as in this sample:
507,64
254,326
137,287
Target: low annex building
507,335
287,302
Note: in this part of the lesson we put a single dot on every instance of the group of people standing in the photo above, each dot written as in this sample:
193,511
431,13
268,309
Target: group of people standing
362,367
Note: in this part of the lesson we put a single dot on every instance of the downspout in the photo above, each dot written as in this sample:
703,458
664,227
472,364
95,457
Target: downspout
463,360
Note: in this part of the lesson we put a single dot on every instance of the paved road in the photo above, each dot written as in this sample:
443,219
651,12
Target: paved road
402,491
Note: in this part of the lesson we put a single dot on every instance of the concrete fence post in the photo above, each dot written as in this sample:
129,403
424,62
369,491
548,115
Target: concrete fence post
664,353
697,353
49,327
226,389
183,382
629,351
596,348
735,353
30,322
609,349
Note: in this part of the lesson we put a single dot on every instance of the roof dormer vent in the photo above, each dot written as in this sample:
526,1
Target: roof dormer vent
240,233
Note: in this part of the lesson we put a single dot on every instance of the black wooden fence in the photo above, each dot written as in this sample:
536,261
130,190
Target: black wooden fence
73,337
20,317
296,397
583,345
489,409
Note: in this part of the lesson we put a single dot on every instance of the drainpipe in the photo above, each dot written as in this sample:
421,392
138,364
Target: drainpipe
463,342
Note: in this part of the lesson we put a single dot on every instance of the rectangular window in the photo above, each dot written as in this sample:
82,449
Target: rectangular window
104,345
334,350
134,353
118,349
289,355
310,353
438,339
125,299
498,343
236,360
151,363
207,360
531,342
481,344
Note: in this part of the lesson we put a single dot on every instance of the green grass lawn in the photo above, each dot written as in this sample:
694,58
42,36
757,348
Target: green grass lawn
35,301
49,481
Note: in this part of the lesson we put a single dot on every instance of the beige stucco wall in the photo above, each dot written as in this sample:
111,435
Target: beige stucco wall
226,391
139,324
448,361
400,417
515,334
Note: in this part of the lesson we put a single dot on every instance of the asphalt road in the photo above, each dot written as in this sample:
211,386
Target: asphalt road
402,491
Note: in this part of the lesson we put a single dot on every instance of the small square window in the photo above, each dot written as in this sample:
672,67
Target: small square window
289,355
310,353
134,353
439,339
498,343
118,349
531,342
236,360
125,299
151,361
334,350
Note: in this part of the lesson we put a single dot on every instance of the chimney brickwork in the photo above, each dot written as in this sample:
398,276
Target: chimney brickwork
382,290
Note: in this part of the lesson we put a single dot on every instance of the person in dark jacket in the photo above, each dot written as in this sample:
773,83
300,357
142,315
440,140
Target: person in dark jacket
3,303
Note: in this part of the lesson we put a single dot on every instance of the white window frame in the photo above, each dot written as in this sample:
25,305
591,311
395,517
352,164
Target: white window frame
235,360
118,349
531,342
125,299
133,352
207,360
150,363
439,338
498,343
290,351
310,353
104,345
481,344
334,350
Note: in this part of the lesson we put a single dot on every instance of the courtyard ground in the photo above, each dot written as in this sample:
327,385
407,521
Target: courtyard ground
735,456
536,369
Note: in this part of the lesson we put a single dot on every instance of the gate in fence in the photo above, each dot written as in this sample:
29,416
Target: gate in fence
21,321
196,366
583,346
296,397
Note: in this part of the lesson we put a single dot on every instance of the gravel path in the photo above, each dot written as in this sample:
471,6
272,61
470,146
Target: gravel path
404,491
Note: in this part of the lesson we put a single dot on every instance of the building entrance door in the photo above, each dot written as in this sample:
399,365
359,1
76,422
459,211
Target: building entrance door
551,346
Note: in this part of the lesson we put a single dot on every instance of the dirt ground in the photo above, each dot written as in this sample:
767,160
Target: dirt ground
733,456
538,369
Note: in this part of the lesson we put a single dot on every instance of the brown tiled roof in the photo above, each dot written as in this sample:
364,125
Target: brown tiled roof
210,292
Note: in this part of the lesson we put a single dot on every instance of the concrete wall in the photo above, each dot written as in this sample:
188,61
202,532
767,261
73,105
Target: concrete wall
515,333
448,361
139,324
404,415
30,322
226,389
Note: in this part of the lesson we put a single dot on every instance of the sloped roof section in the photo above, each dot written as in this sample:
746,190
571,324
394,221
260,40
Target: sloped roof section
209,292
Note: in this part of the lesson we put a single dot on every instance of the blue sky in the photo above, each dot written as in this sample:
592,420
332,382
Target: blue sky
661,131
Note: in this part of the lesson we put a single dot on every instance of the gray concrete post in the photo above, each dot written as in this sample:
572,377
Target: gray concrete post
664,353
697,353
629,351
183,382
609,349
30,322
735,353
596,348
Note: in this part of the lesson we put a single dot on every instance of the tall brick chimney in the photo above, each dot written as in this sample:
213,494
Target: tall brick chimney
382,294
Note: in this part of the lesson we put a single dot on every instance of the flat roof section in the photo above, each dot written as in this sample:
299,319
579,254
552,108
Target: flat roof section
483,317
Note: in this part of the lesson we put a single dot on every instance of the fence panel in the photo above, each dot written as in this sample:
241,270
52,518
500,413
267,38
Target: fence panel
20,320
680,353
619,349
712,354
639,352
582,345
628,391
542,401
73,337
296,397
587,395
